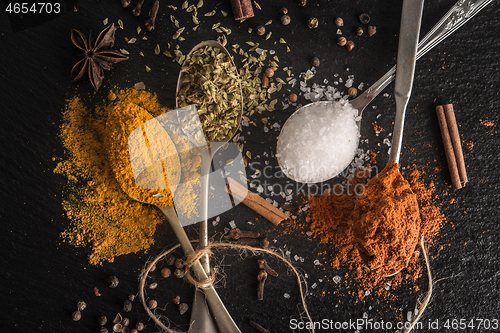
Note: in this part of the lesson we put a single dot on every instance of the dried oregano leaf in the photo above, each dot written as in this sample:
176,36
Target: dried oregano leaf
282,41
172,7
257,5
123,51
168,54
199,4
212,13
105,21
185,5
148,69
120,24
157,49
132,40
223,13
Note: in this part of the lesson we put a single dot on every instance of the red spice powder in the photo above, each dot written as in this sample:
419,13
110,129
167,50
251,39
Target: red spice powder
376,234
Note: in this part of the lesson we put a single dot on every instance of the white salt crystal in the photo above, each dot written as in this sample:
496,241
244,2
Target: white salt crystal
367,293
409,316
286,295
269,200
272,52
339,32
275,203
282,194
214,223
314,285
379,115
336,279
287,253
361,86
232,224
260,189
387,142
250,222
269,188
365,314
307,156
349,83
386,95
289,191
259,50
316,262
212,188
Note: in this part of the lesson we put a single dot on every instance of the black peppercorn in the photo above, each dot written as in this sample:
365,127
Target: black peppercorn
102,320
170,259
312,23
342,41
283,11
113,281
127,306
315,61
302,3
261,30
285,20
364,18
359,31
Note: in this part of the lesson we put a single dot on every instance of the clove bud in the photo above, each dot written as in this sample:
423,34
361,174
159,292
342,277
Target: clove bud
150,22
257,242
236,233
137,10
263,265
261,278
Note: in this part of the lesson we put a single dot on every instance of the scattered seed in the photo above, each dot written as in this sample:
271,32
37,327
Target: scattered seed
139,326
341,41
292,98
166,272
157,49
261,30
364,18
283,11
285,20
76,316
105,21
339,22
302,3
183,307
120,24
127,306
268,22
176,300
117,327
125,322
102,320
359,31
352,92
152,304
118,319
269,35
212,13
113,281
312,23
372,30
148,69
153,285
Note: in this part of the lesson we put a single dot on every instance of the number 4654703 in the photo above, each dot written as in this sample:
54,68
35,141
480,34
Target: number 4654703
35,8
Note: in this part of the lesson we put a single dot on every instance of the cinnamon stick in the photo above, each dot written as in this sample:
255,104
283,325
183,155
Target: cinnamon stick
452,145
242,9
455,140
255,202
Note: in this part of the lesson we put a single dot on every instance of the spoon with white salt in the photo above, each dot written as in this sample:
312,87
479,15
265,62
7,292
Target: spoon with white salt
320,139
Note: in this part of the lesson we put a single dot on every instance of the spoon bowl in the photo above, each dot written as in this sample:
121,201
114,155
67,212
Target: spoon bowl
457,16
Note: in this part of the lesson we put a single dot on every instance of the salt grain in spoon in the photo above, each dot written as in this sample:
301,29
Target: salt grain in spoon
318,142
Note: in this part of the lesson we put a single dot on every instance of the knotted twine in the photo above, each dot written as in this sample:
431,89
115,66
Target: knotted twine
191,259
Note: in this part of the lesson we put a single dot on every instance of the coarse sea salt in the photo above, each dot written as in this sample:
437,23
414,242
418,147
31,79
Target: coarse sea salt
318,142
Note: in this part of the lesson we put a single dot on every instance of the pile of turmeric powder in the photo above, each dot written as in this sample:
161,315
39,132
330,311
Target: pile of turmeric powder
101,213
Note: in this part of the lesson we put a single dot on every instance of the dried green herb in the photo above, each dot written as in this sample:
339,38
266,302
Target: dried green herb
120,24
212,13
157,49
211,82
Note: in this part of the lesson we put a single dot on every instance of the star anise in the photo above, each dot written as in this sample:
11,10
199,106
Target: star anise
97,57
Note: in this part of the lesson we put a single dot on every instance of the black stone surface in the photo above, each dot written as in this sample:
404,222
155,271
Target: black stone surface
42,278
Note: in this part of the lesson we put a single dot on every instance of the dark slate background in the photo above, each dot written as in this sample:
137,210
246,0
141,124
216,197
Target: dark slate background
42,279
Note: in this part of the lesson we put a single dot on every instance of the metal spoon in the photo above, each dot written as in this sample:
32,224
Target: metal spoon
457,16
200,321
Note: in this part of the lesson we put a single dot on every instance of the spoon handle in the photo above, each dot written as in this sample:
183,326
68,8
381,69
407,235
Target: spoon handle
411,18
457,16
